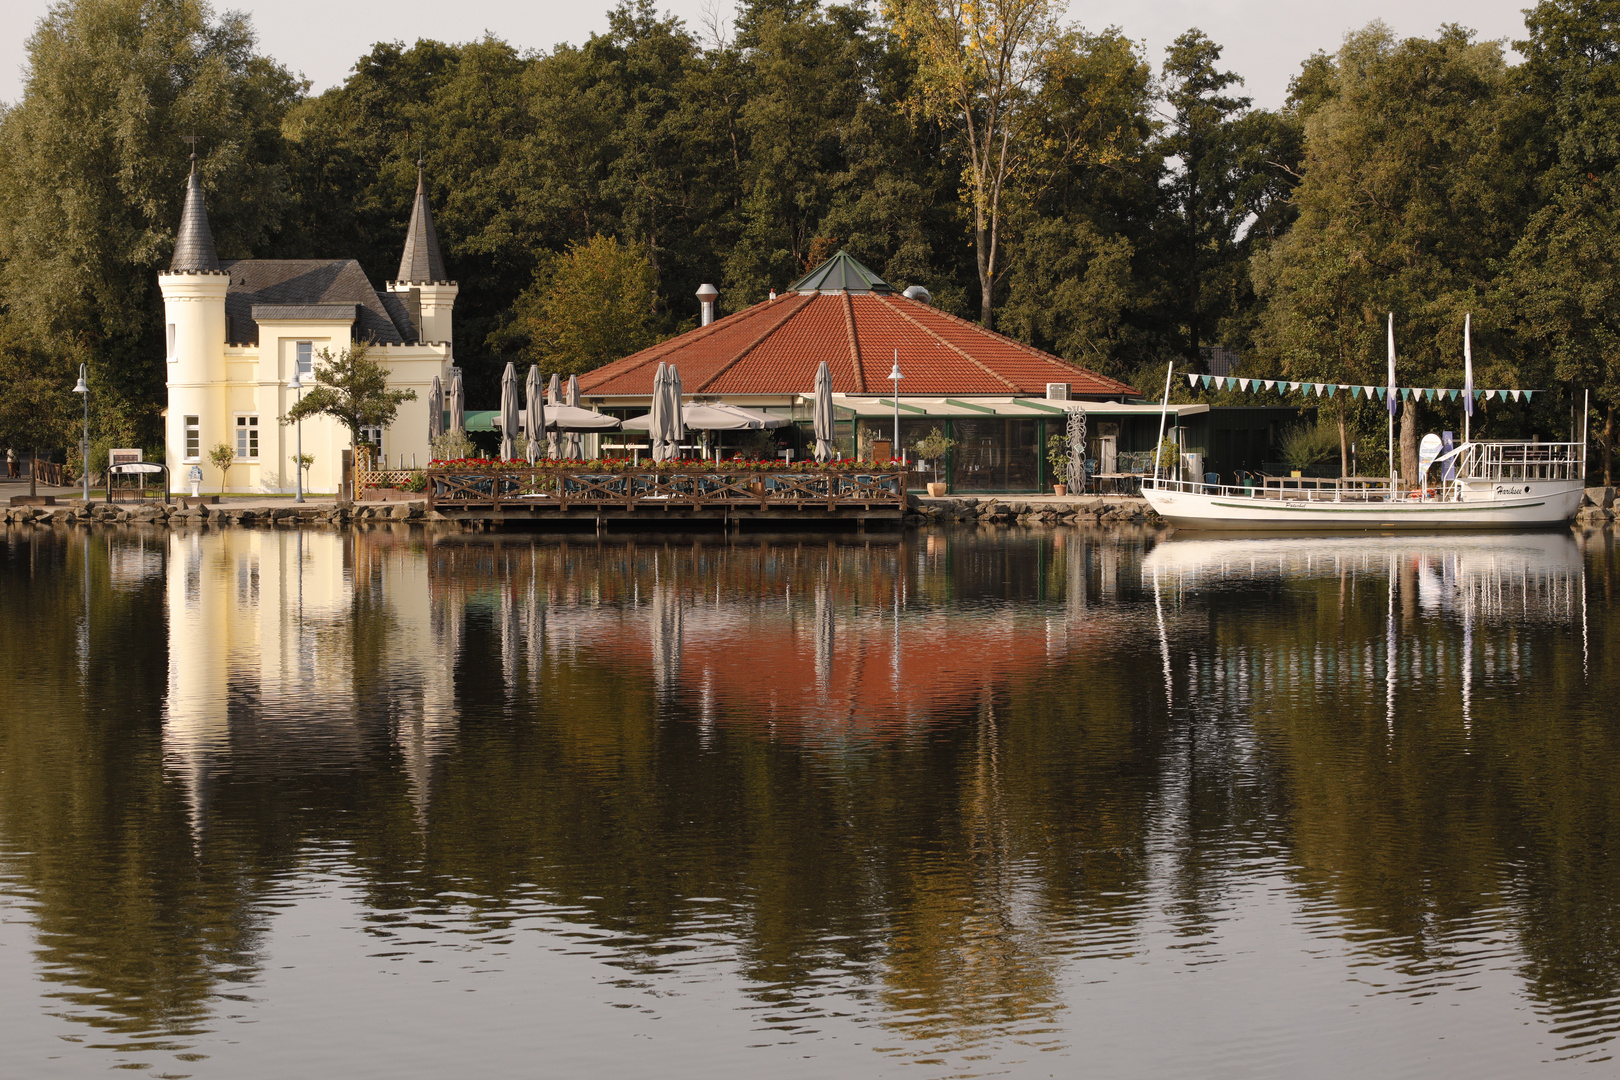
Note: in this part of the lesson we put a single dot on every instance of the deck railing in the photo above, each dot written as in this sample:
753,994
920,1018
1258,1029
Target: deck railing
550,487
1523,461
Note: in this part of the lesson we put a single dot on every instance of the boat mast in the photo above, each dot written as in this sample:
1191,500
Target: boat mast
1391,395
1468,372
1586,415
1164,410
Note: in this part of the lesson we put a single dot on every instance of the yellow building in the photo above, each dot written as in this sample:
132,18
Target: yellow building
238,330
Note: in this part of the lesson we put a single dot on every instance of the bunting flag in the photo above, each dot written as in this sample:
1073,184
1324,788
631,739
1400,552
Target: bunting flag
1390,394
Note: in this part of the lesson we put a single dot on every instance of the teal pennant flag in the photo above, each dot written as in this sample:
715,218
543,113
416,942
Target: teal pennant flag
1383,392
1527,394
1430,392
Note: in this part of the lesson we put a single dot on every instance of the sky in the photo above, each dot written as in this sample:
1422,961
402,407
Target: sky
1264,40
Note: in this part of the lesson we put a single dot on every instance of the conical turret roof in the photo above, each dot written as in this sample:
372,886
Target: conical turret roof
421,261
194,244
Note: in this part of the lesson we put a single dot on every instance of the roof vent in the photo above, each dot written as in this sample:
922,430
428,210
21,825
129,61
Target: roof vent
1057,391
919,294
707,294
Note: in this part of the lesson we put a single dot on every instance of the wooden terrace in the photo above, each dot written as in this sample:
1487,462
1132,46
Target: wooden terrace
668,496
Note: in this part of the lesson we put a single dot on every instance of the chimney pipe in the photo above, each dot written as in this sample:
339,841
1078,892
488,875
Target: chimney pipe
706,295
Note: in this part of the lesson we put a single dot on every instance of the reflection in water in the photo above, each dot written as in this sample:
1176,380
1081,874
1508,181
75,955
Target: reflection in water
970,802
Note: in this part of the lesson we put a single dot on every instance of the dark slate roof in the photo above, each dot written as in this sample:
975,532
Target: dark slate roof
194,244
421,261
309,283
305,312
841,273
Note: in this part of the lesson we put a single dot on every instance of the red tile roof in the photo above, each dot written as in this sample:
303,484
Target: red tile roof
774,347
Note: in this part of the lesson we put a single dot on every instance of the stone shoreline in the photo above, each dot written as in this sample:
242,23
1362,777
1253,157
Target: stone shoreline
1597,510
1036,510
161,514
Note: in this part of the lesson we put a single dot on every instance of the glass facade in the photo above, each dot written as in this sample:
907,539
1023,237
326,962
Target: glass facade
996,454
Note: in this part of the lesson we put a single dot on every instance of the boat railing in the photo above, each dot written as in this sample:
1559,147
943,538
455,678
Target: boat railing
1501,460
1337,489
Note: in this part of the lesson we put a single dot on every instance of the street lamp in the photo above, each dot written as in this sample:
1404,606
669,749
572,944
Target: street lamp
297,384
84,446
895,377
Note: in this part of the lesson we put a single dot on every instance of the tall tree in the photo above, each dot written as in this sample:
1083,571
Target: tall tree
93,169
1563,281
978,64
1206,136
1405,206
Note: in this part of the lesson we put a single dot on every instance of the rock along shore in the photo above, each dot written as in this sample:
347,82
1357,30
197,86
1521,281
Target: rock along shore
998,510
160,514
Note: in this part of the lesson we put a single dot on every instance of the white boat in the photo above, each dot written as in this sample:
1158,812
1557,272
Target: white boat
1496,485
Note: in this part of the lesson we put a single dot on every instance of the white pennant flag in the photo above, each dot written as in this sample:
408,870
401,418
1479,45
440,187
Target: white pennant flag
1515,395
1245,384
1192,380
1269,384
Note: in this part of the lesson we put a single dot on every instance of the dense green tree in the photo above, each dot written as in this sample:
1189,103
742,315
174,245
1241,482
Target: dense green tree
1563,281
94,171
590,305
1405,206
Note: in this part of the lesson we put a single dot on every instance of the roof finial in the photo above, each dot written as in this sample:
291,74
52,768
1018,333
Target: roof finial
191,140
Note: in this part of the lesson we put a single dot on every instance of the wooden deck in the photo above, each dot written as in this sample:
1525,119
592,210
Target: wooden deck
668,497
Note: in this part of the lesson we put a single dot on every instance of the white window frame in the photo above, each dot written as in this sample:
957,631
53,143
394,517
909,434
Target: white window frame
366,433
304,359
247,436
191,438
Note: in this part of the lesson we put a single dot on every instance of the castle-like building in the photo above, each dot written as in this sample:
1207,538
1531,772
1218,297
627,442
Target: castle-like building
239,329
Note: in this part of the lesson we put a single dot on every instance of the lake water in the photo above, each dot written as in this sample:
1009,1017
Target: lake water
940,804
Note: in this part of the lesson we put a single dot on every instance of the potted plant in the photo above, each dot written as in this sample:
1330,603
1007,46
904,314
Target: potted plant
933,449
1057,456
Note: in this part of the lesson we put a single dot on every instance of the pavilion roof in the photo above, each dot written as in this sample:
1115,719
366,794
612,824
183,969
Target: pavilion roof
775,347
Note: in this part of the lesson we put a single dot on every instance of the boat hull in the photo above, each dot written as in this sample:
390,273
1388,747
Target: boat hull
1546,505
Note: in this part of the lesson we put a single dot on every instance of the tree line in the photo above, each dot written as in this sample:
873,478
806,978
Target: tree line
1051,181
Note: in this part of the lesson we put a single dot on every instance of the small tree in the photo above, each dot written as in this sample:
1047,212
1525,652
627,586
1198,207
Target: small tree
452,446
222,457
933,449
304,462
1057,456
353,389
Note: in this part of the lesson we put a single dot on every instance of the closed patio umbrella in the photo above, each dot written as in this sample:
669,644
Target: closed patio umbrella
435,409
458,403
655,418
535,420
509,411
674,429
574,450
554,397
823,423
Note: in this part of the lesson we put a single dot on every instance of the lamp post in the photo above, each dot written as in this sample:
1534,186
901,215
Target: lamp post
84,445
297,384
895,377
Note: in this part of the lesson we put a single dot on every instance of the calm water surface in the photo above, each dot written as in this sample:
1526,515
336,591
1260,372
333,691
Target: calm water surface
950,804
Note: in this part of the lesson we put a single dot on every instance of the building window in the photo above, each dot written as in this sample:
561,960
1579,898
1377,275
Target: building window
372,435
247,438
306,358
193,426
